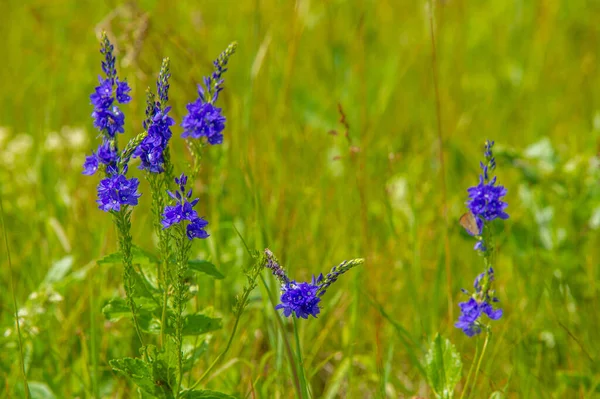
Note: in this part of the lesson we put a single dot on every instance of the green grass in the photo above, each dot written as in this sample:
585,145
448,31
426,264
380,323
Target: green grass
513,71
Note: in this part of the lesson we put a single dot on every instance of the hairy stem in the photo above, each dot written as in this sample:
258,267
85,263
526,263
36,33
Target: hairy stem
123,222
182,257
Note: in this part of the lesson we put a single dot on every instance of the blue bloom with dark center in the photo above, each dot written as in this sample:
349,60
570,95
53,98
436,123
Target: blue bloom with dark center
184,210
300,299
116,191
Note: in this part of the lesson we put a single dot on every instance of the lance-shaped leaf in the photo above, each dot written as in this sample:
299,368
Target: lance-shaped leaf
443,367
205,267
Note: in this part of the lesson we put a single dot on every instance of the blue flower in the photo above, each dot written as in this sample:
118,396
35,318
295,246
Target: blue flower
107,154
151,149
116,191
196,228
300,299
203,120
485,199
479,303
90,166
102,96
122,90
107,117
183,210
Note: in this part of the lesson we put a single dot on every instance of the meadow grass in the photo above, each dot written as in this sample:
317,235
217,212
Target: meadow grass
524,74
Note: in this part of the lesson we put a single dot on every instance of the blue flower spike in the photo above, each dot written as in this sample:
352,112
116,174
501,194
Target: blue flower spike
183,210
302,298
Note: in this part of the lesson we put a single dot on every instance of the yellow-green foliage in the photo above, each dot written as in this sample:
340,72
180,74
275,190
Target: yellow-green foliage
523,73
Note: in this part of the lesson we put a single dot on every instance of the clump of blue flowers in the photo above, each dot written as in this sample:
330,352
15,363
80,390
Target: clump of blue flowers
115,190
204,119
151,150
479,303
485,205
485,199
302,298
183,210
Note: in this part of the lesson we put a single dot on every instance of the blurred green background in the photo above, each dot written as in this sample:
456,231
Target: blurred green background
523,73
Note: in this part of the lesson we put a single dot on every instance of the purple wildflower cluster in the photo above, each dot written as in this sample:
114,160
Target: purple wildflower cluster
184,210
485,199
158,126
302,299
151,149
479,303
485,204
115,190
108,118
204,119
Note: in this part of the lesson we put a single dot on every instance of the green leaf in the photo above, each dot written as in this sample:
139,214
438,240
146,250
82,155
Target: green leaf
59,270
193,355
117,308
205,267
140,373
40,390
443,367
198,324
206,394
139,256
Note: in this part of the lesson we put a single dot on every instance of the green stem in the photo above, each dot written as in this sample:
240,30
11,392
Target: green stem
157,187
16,308
487,337
183,249
123,222
300,361
239,312
286,342
470,372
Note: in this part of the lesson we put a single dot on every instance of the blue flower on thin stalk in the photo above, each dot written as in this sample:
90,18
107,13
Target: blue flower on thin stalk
108,118
115,190
184,210
302,298
204,119
479,304
158,125
485,200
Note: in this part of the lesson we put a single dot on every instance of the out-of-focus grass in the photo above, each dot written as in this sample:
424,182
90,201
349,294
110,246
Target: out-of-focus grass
517,72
